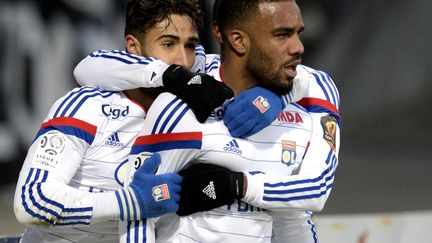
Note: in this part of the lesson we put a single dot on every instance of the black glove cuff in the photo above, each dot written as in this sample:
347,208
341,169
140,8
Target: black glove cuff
237,184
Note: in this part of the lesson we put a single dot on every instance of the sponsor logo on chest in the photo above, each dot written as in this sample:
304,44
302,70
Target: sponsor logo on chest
290,117
115,112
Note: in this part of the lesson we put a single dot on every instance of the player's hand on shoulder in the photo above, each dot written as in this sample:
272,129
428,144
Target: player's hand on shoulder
251,111
200,91
208,186
149,195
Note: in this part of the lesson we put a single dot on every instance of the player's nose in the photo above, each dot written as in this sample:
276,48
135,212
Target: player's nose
296,48
184,58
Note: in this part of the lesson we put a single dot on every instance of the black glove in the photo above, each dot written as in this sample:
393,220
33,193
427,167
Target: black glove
200,91
208,186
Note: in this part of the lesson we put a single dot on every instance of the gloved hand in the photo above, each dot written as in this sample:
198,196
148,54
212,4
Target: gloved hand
201,92
251,111
149,195
208,186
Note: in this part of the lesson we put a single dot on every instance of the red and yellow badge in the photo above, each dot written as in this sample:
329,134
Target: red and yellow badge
289,153
161,193
329,126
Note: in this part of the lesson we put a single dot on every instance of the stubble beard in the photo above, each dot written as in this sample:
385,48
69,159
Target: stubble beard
261,66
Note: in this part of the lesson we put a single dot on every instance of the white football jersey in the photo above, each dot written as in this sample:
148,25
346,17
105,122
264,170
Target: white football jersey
313,90
281,175
73,166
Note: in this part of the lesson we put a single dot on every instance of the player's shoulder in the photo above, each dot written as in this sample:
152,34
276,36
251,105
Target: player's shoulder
170,114
321,84
81,103
322,94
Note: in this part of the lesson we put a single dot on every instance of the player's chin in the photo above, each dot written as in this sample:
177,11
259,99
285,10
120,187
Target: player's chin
283,87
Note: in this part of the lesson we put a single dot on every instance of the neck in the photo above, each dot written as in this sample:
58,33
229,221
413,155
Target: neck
143,97
234,74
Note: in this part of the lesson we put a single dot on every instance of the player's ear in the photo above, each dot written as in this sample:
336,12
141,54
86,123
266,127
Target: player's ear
133,46
238,41
216,33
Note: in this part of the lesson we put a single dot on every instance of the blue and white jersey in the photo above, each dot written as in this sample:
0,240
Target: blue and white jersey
313,90
65,188
290,169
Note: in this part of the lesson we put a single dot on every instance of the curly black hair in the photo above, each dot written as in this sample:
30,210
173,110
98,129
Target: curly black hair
142,15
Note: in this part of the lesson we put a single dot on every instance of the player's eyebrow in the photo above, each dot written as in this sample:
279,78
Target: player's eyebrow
287,30
191,39
169,36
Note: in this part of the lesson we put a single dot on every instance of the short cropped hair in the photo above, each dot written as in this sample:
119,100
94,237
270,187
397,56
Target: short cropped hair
141,15
228,13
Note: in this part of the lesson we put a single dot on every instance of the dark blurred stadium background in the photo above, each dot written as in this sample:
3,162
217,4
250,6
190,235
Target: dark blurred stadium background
379,54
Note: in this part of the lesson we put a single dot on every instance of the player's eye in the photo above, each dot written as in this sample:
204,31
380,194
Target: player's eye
283,35
167,45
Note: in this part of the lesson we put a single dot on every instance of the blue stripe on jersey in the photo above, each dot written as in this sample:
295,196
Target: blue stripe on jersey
41,208
69,130
333,87
211,68
69,96
170,115
127,231
314,234
177,120
119,201
329,87
304,181
144,230
327,175
24,201
321,85
191,144
156,124
85,98
213,65
120,56
136,228
84,94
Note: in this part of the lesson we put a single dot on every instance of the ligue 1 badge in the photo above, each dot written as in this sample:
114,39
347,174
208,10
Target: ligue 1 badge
161,193
289,153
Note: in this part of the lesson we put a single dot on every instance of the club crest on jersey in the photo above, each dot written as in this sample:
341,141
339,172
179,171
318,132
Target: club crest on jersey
160,193
289,153
261,103
329,126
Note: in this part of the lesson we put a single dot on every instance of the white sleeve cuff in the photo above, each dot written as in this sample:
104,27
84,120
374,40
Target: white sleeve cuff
105,207
152,76
255,190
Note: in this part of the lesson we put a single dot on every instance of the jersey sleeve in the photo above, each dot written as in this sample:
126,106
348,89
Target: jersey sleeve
309,189
117,70
43,196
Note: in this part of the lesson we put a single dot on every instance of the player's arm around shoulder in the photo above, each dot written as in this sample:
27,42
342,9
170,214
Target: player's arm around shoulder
118,70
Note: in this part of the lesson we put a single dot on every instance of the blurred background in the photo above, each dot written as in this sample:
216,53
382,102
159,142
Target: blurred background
379,53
